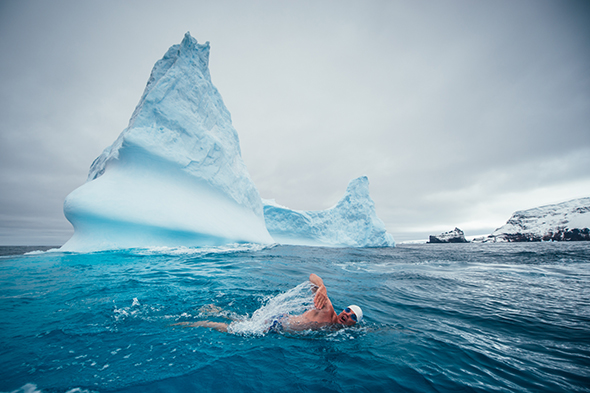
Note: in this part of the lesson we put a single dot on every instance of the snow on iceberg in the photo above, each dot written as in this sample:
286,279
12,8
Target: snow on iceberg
353,222
175,175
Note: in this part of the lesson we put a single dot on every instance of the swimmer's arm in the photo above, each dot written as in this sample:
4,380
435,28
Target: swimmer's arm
316,280
219,326
321,294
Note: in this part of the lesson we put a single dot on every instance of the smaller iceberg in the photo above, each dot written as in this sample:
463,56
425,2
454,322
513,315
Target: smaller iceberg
353,222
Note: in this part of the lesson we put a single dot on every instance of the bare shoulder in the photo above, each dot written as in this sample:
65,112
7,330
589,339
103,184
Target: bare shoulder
320,316
311,319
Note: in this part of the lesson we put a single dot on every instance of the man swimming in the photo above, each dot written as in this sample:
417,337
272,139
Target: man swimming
321,316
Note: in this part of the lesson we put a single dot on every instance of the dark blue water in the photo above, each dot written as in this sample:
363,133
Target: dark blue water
438,318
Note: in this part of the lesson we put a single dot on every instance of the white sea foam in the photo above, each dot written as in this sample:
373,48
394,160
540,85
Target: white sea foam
27,388
32,388
226,249
38,252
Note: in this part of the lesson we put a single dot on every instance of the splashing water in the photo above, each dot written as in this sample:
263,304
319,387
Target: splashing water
293,302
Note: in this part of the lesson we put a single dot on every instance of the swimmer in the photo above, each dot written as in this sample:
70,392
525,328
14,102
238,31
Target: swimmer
321,316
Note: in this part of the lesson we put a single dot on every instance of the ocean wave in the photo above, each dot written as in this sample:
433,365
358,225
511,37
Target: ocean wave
485,318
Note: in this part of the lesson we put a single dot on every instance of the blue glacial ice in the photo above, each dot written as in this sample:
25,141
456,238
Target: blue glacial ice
353,222
175,175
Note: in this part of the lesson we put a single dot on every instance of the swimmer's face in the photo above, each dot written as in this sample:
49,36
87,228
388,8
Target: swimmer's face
347,317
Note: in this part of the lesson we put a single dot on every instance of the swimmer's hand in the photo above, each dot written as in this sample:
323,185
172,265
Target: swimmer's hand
321,296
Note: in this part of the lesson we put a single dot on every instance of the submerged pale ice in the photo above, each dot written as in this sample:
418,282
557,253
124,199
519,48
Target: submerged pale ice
175,175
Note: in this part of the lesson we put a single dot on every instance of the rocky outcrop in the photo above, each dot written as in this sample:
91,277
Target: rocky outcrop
454,236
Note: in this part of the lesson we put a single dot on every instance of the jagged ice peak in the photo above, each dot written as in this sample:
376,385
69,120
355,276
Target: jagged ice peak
175,175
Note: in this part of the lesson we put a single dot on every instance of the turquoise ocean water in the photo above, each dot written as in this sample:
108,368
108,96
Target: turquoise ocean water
438,318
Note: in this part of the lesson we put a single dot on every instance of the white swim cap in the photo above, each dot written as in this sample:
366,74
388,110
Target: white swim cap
358,312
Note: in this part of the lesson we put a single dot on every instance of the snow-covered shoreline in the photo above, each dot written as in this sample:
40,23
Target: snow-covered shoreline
566,221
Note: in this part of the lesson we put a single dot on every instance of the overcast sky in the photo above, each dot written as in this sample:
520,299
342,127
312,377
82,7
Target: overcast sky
459,112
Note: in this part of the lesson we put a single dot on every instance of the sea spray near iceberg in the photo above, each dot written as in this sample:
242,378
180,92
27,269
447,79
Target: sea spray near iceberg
175,175
352,222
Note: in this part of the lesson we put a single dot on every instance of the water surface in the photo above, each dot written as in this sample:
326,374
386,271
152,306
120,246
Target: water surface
438,318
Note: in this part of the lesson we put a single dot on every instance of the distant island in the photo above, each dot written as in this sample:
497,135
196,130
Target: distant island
567,221
454,236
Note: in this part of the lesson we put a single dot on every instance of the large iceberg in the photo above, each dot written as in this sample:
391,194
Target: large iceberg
175,175
353,222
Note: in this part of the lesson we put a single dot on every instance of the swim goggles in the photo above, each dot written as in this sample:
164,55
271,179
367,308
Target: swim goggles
352,314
